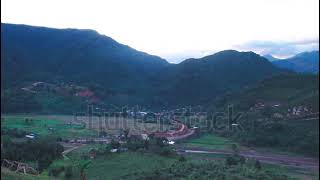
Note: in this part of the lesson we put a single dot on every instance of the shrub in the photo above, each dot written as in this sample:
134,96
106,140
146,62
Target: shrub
235,160
115,144
182,158
68,173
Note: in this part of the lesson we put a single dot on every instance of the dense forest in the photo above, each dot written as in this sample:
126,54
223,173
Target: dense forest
279,112
113,73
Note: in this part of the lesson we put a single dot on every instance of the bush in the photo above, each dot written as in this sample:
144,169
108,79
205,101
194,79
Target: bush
166,151
115,144
235,160
13,132
55,171
68,173
41,150
257,165
182,158
206,170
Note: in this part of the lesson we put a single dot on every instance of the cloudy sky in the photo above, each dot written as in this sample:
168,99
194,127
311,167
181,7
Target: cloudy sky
179,29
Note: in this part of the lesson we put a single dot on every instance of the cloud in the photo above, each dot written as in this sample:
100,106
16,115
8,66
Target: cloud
281,49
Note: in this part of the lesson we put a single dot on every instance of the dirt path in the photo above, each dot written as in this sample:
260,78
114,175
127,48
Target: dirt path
75,146
292,161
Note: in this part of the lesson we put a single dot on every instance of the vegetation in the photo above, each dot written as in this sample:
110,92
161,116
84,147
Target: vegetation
108,165
145,79
44,127
209,141
43,151
286,132
208,170
287,89
75,68
297,136
7,174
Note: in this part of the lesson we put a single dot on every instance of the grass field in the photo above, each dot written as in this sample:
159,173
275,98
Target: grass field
210,141
116,164
6,174
111,125
41,127
292,172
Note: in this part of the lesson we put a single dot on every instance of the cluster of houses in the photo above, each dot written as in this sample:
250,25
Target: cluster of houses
298,110
260,105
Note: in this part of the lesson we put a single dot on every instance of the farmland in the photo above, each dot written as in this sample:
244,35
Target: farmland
210,141
66,126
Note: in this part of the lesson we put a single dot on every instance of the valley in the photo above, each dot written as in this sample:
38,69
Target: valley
76,104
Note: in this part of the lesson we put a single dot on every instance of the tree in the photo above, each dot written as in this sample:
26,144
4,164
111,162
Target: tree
82,166
115,144
235,149
68,172
257,165
44,162
267,112
146,144
126,133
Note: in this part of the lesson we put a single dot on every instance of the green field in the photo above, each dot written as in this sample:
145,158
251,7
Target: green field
210,141
111,125
42,126
115,164
293,172
103,167
6,174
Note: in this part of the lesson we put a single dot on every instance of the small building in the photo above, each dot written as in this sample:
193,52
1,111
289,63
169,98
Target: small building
145,136
30,136
114,150
278,115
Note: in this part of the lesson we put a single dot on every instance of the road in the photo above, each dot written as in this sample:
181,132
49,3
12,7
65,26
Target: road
271,158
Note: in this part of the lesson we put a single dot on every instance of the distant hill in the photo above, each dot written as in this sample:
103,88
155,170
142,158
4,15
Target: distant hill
271,58
280,112
307,62
78,67
202,80
286,89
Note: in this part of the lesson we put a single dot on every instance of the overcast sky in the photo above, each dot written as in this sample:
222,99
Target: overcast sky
179,29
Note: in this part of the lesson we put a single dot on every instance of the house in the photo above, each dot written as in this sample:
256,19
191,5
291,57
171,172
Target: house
114,150
30,136
145,136
278,115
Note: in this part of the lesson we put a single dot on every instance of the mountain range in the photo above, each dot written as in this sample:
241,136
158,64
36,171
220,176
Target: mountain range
106,72
306,62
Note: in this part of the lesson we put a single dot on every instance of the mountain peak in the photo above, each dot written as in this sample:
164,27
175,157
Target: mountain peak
305,62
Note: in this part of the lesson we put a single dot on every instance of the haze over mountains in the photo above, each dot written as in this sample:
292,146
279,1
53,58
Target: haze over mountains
115,73
306,62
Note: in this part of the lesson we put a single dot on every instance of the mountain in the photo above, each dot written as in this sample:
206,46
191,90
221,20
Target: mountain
202,80
47,54
271,58
279,112
286,89
71,56
306,62
62,70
